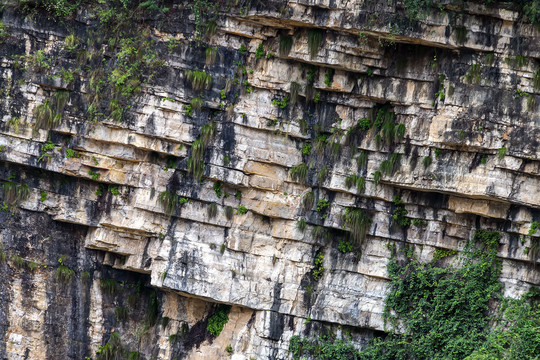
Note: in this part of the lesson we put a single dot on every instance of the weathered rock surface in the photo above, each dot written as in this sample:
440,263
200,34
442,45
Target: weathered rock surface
467,104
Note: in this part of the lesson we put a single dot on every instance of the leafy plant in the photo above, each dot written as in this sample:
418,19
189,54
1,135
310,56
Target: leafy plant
211,55
218,320
241,210
534,228
260,53
318,269
400,213
301,225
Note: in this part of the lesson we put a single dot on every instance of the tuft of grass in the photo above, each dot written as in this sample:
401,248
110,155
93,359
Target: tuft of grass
199,80
322,175
299,172
315,39
211,55
285,45
501,153
211,210
301,225
308,200
461,34
169,201
64,274
121,313
196,103
426,161
109,286
294,90
229,211
358,223
377,175
18,261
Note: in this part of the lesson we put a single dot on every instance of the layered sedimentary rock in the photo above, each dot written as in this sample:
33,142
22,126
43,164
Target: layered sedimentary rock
112,198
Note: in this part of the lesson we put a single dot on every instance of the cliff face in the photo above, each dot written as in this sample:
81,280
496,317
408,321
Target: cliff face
147,178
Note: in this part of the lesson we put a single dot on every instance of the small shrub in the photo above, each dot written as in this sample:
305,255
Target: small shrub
211,55
218,320
345,246
301,225
199,79
241,210
211,210
419,222
307,201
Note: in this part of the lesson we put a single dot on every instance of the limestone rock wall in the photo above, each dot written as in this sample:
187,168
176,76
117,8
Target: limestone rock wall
461,81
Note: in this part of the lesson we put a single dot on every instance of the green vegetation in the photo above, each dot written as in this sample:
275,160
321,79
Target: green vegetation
94,174
121,313
211,55
299,172
534,228
285,45
308,201
322,174
399,215
328,77
199,80
355,180
63,274
109,286
229,212
218,320
211,210
218,188
293,91
318,268
112,350
14,193
474,75
281,103
419,222
18,261
358,222
43,195
301,225
45,151
260,53
315,39
461,34
345,246
169,201
241,210
444,312
426,161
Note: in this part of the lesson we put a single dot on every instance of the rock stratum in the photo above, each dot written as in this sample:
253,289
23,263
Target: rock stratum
158,163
